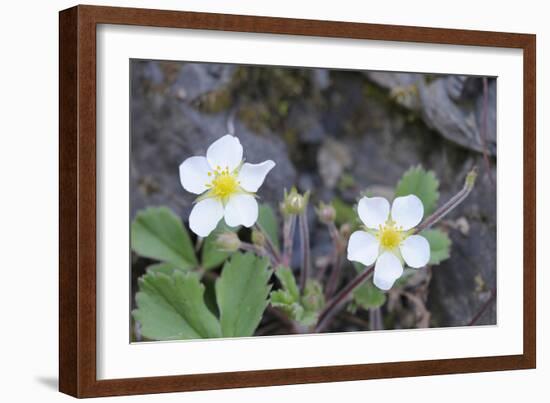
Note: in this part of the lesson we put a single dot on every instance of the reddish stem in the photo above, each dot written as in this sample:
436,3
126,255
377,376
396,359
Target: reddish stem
336,271
269,243
447,207
342,297
483,131
484,308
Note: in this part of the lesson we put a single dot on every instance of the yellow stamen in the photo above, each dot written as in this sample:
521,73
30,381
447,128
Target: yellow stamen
390,236
224,183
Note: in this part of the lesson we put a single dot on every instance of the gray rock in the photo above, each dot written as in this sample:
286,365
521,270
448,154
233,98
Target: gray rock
166,131
446,105
321,78
304,118
196,79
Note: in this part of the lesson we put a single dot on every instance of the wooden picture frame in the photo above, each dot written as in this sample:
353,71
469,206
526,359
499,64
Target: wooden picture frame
77,182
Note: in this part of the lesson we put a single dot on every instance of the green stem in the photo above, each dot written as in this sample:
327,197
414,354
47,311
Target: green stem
304,242
288,238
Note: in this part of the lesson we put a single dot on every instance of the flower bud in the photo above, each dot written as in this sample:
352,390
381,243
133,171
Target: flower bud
258,238
294,202
313,298
471,178
326,213
228,241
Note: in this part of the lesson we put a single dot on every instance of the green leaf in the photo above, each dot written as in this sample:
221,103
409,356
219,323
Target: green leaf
421,183
280,299
158,233
268,221
241,292
313,299
171,307
368,296
288,296
345,213
211,256
440,245
288,283
166,268
402,281
304,309
210,295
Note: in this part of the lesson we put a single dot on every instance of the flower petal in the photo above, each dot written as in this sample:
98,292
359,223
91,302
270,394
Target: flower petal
363,248
373,211
205,216
415,251
226,152
407,211
388,269
241,210
251,176
194,174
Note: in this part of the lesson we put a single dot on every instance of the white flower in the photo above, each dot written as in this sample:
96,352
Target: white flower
226,184
387,238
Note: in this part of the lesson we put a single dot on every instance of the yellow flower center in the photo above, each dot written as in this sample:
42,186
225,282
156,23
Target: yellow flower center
224,183
390,236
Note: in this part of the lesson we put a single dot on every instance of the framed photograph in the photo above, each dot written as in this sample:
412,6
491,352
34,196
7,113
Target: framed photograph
254,201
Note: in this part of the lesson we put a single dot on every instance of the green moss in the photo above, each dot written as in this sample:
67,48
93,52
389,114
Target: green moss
430,78
283,108
215,101
170,71
290,136
255,116
265,95
372,91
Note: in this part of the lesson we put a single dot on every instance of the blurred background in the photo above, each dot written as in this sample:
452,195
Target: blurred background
337,133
